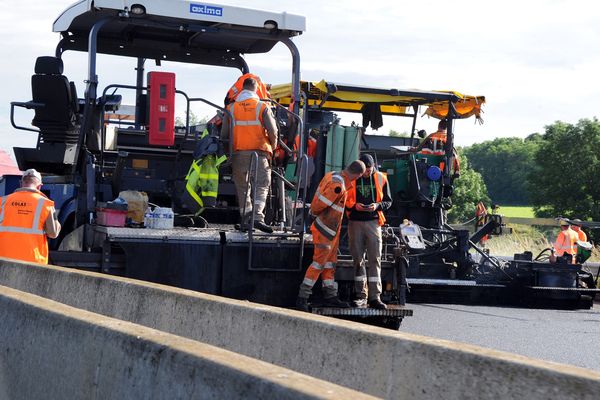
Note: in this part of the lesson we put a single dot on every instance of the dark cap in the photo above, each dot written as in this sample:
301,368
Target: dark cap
367,159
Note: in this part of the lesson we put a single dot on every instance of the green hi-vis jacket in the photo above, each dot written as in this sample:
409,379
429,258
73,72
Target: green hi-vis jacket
202,180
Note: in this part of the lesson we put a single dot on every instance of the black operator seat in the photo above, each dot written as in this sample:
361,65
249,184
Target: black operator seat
56,115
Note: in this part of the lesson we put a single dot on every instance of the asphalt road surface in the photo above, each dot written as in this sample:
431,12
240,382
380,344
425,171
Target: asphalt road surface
564,336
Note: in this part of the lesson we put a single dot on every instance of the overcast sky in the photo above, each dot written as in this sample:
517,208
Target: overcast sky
535,61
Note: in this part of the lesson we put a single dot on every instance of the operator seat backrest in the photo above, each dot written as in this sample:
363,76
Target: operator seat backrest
57,118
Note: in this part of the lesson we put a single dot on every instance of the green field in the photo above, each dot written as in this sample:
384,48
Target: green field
517,211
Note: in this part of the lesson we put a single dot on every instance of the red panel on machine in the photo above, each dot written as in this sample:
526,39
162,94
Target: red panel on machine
161,112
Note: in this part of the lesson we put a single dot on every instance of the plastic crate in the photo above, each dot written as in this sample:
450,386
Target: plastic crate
109,217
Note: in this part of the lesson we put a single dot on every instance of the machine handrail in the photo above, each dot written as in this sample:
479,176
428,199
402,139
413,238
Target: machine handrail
28,105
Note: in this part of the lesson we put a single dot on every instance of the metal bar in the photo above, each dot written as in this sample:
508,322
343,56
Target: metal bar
230,117
90,91
414,122
12,115
484,255
287,183
139,87
254,173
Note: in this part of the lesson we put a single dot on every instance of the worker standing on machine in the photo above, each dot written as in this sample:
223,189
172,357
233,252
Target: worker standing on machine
566,242
237,88
27,216
254,130
327,208
576,226
435,144
366,202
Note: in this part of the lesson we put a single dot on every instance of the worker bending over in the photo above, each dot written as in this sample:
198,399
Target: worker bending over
327,208
566,242
27,216
367,200
254,130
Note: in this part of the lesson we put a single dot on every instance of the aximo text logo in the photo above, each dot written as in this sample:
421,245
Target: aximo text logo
206,10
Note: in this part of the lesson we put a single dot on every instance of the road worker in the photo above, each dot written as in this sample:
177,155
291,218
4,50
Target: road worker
566,242
435,144
327,207
254,130
576,226
237,88
367,200
27,218
480,219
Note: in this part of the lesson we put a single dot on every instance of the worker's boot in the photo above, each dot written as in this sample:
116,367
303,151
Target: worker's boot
335,302
302,304
359,303
378,304
261,226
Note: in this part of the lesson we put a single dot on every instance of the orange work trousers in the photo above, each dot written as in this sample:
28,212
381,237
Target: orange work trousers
323,265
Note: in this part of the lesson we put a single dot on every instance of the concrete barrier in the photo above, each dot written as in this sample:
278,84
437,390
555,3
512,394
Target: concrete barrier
376,361
53,351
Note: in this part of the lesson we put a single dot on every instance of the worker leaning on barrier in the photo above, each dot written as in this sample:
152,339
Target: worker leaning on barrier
367,200
566,242
254,130
27,216
327,207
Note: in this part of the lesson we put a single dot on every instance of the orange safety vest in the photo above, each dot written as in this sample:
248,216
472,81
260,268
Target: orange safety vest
248,129
437,141
237,87
380,182
23,216
480,213
328,205
581,234
311,148
566,242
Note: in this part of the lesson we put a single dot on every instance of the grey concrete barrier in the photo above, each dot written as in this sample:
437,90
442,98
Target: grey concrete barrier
53,351
376,361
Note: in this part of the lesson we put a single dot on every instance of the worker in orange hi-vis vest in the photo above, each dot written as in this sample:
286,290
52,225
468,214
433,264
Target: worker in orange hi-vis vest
237,88
576,226
254,131
435,144
566,242
366,202
480,214
27,216
327,208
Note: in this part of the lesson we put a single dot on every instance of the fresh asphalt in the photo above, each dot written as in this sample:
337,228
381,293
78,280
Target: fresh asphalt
563,336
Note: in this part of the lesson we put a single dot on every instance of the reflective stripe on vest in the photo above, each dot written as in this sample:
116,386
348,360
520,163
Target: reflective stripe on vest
324,229
329,202
34,230
24,216
340,179
2,210
249,133
379,183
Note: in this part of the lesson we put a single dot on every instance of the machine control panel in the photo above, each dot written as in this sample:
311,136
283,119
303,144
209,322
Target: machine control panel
411,235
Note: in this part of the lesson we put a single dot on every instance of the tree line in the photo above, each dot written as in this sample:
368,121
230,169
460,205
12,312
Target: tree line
555,172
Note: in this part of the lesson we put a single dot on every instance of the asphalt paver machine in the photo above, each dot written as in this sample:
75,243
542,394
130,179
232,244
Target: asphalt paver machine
92,148
424,258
